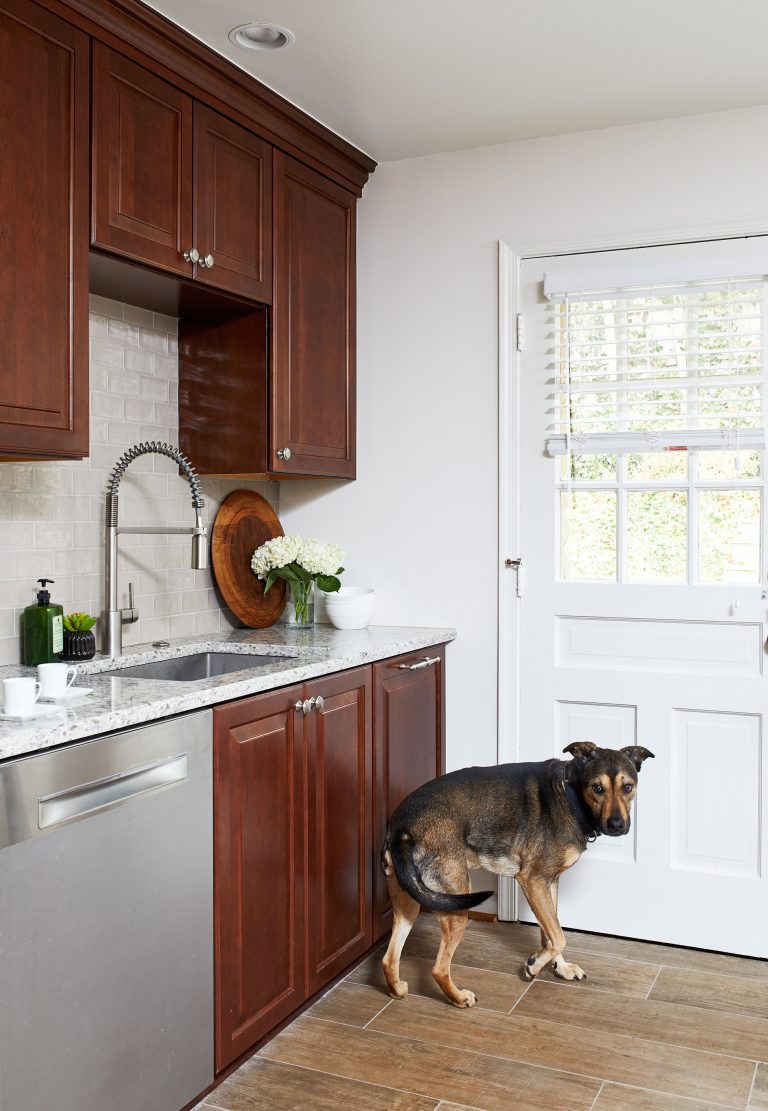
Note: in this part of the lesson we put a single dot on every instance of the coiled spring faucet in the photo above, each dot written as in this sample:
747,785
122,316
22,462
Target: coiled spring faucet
114,618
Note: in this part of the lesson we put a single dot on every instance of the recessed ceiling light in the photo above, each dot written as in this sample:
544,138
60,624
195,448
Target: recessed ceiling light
261,36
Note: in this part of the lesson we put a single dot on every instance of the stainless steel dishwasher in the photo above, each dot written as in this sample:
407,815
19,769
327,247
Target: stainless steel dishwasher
106,922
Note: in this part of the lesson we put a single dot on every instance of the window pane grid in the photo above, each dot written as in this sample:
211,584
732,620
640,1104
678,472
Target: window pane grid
664,531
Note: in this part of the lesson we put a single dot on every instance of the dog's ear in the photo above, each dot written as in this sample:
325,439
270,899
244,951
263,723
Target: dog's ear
580,750
637,754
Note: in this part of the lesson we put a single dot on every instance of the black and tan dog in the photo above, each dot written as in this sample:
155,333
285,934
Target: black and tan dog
530,821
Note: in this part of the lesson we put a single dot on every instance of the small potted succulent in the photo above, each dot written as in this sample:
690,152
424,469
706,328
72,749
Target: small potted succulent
79,640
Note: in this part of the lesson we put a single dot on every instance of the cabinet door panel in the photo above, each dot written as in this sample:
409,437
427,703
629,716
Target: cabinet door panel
313,380
259,867
409,731
338,825
142,164
233,205
43,234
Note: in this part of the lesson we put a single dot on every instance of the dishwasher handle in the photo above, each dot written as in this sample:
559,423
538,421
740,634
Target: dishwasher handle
101,794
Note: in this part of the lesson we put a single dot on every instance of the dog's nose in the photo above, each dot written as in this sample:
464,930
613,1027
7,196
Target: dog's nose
615,824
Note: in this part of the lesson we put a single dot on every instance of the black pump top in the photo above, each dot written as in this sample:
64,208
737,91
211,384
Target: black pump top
43,596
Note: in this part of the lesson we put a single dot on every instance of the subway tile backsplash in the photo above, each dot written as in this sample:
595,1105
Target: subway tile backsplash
52,514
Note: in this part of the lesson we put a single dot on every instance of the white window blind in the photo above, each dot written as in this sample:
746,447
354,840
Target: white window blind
659,367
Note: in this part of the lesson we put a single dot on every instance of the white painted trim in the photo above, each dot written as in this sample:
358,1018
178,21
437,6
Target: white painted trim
509,536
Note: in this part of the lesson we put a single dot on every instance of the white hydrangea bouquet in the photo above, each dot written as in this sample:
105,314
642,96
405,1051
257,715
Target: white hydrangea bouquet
301,563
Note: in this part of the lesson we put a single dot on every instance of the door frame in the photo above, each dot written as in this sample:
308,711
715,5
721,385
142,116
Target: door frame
510,255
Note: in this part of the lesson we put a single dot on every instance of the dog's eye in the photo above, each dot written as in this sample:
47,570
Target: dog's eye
628,787
598,788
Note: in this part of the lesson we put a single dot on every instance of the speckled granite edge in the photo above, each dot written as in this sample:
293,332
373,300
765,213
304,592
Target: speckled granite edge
117,703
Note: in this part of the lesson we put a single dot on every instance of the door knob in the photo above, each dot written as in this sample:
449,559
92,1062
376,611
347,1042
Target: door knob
193,255
284,453
207,262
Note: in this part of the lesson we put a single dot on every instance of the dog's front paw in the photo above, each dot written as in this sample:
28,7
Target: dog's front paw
568,971
466,999
399,990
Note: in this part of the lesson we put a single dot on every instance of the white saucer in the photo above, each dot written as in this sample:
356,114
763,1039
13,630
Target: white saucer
69,695
37,712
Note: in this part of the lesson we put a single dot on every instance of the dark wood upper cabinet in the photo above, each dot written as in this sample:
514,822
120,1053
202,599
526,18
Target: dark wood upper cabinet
282,388
177,185
258,867
312,397
43,234
409,746
142,164
233,206
338,830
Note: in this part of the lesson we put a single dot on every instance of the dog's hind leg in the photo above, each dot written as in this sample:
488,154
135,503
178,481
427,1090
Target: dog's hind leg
452,927
405,911
539,895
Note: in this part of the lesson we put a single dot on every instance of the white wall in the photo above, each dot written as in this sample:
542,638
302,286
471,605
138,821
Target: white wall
420,523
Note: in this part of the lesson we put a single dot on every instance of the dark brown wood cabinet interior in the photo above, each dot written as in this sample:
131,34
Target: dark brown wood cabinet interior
207,189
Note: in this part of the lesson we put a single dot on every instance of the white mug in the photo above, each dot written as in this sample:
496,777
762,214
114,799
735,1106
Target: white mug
55,679
20,696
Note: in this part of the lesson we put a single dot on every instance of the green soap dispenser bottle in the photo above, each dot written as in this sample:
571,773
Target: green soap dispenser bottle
43,629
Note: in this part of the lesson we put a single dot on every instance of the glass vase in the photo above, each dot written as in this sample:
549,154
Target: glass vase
301,605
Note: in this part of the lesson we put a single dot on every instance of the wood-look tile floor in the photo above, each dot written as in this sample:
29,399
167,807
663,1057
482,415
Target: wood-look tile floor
653,1028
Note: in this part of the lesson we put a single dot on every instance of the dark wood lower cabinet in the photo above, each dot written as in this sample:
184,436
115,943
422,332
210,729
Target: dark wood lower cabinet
409,746
338,828
301,801
258,766
292,850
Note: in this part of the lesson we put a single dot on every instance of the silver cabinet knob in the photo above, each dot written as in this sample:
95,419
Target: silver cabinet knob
284,453
207,262
308,705
193,255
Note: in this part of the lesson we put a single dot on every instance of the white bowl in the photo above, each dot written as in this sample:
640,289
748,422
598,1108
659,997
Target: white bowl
350,607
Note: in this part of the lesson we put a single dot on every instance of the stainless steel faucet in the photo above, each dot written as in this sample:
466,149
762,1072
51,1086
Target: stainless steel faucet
114,618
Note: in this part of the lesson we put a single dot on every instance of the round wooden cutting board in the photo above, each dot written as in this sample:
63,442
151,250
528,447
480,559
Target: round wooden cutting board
244,521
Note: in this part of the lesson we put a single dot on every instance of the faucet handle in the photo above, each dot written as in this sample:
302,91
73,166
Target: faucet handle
131,614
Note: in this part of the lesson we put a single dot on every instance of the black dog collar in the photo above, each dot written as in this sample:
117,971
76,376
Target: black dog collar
581,812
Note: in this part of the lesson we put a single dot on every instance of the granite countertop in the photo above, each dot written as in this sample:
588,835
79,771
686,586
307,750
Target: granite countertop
120,702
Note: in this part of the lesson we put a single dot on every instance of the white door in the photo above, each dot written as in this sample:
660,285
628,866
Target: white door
644,574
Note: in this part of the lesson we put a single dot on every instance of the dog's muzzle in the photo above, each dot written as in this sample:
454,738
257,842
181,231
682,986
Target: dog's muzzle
615,826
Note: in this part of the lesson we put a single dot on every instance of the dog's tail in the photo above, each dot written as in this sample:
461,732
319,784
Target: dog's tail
400,846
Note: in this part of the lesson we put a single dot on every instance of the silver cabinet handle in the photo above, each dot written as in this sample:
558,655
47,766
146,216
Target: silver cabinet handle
422,663
207,262
100,794
284,453
309,704
193,255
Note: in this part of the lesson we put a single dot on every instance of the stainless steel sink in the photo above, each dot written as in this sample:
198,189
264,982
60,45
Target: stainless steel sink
199,665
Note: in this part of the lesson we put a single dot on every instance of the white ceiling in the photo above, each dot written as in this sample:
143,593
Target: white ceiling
400,78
